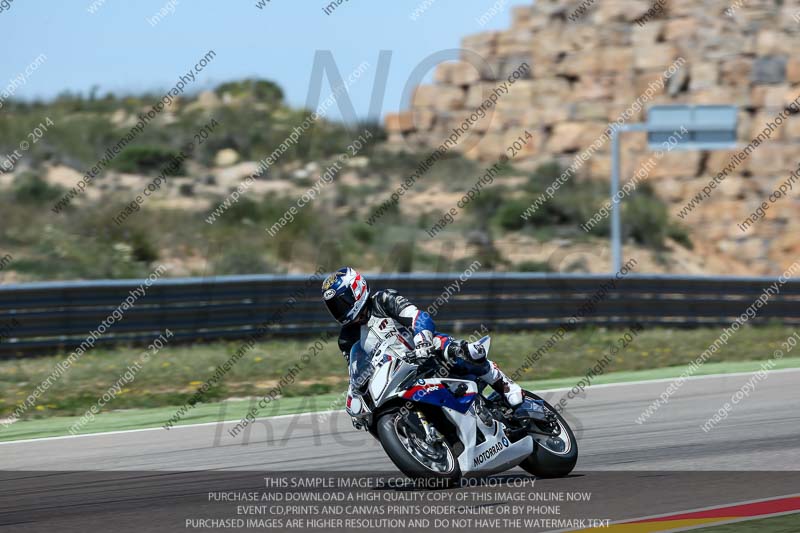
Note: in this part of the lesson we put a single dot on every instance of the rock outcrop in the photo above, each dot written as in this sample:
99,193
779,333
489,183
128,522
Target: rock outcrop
591,61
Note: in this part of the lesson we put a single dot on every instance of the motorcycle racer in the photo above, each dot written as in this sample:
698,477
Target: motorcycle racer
372,318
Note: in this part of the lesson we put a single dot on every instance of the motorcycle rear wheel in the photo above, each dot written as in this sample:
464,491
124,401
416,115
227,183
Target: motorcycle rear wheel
549,460
411,454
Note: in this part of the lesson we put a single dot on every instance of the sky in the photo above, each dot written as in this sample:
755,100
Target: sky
118,48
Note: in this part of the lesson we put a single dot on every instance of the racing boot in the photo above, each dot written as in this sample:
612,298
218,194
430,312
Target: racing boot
504,385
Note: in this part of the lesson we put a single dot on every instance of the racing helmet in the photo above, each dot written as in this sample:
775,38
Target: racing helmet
345,293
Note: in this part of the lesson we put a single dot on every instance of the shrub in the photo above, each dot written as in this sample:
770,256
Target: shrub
680,235
393,162
150,159
533,266
485,205
261,90
142,249
362,233
186,189
509,217
543,176
401,257
30,188
241,260
244,209
645,218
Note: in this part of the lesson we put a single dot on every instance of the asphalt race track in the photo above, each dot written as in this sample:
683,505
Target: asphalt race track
761,433
754,453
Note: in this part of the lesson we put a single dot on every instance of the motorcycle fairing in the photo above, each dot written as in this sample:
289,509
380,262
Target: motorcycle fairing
496,454
441,393
390,377
387,383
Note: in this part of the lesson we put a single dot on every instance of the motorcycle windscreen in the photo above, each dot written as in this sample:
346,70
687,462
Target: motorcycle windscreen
441,395
361,368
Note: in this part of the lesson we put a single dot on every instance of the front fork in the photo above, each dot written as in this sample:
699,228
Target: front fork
432,434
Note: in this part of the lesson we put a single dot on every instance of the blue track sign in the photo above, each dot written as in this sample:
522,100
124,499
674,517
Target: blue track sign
710,127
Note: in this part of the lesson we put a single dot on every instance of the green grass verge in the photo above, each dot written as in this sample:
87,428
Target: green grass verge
779,524
235,409
173,375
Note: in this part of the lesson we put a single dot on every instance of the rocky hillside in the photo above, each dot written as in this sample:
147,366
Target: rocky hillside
234,181
592,62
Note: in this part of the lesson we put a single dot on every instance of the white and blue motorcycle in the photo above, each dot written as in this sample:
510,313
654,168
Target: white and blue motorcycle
434,425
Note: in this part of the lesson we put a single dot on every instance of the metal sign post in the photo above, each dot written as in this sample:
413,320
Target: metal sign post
709,128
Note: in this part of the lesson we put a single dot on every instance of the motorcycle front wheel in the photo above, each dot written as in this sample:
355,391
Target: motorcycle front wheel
403,441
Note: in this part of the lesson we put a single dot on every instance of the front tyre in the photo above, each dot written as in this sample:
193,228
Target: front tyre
402,438
552,456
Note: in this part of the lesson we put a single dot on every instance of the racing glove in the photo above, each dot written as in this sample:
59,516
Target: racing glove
423,342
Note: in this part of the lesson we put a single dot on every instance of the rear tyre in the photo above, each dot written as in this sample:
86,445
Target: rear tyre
552,457
405,445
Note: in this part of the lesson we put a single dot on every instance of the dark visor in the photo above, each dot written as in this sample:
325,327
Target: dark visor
340,305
